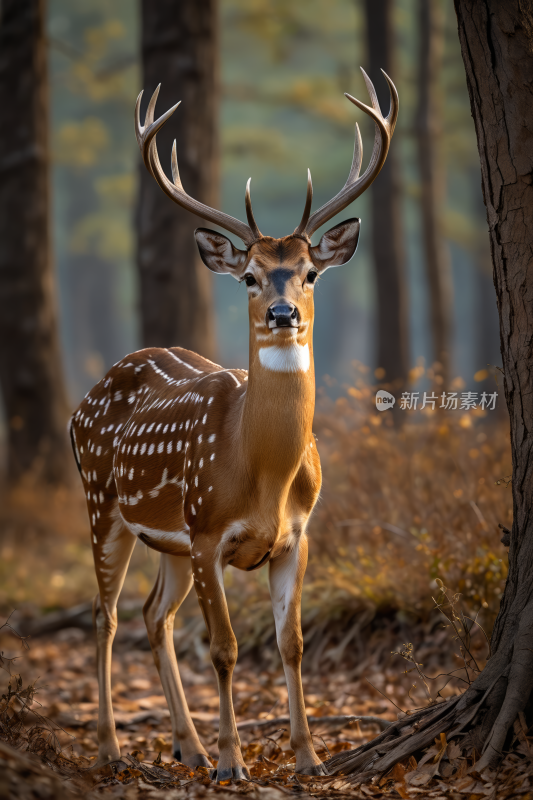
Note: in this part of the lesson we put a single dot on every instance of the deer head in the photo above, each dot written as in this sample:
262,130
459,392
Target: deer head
280,274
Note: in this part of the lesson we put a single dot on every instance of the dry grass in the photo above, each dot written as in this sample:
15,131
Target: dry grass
400,508
46,557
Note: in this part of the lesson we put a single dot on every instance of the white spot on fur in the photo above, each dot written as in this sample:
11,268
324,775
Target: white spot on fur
293,358
151,449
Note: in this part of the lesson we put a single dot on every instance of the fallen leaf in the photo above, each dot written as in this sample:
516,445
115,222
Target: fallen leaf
398,772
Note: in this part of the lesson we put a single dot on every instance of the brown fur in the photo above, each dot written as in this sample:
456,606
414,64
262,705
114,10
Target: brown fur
210,467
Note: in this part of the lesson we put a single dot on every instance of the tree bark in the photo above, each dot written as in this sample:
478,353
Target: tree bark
428,129
180,51
497,47
30,359
387,236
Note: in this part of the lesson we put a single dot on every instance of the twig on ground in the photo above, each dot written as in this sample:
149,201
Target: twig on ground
385,696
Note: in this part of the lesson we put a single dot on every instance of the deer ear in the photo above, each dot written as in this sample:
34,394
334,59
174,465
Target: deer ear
218,253
337,246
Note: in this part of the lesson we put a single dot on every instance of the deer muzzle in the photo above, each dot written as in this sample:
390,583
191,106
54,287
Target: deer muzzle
283,315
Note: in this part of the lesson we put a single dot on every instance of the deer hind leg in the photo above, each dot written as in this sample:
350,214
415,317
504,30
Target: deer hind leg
209,585
172,586
112,548
286,579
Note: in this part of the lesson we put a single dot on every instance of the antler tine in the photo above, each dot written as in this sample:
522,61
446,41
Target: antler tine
146,138
175,169
357,159
392,116
249,211
300,230
355,186
372,92
139,130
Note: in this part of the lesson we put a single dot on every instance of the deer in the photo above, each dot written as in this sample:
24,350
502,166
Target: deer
214,467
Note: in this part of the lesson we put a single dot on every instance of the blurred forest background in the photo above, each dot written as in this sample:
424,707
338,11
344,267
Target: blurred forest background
284,69
402,505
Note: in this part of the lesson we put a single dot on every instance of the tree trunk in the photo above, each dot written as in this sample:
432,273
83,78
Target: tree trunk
497,47
387,238
180,51
30,360
428,129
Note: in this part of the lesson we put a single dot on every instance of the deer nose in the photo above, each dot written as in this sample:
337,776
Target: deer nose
283,315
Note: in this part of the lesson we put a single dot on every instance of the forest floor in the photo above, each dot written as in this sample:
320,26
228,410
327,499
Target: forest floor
49,749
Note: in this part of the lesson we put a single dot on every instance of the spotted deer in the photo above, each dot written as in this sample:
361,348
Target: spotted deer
211,466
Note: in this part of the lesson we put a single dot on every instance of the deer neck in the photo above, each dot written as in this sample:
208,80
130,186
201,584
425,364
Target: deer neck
279,405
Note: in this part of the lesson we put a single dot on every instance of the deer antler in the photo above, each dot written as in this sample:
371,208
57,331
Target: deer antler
146,138
355,185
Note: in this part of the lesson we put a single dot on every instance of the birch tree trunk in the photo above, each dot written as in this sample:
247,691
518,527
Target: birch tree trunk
180,51
31,373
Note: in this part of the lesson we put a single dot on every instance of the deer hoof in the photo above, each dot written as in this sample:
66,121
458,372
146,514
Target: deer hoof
316,769
238,773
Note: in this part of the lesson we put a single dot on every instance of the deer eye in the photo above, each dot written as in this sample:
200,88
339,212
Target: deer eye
312,276
250,280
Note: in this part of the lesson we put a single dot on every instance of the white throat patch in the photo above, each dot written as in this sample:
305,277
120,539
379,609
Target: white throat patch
293,358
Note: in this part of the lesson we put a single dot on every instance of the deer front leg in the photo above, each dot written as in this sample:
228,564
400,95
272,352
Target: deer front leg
209,585
286,579
172,586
